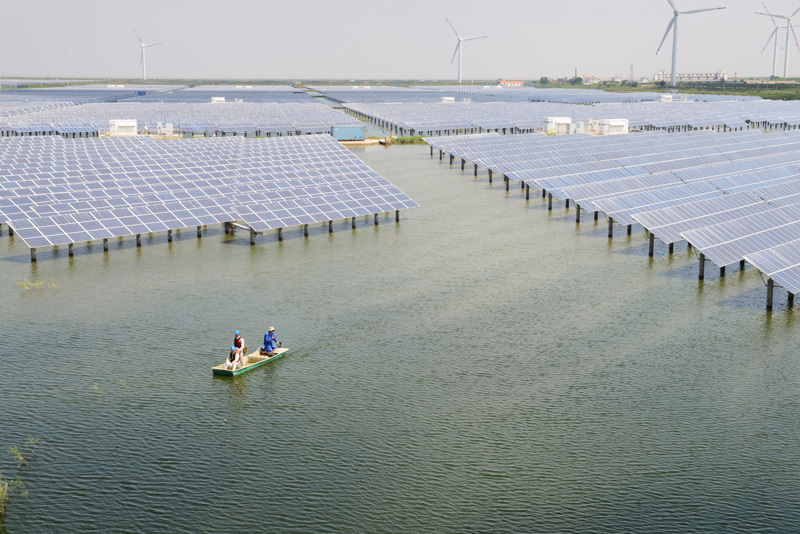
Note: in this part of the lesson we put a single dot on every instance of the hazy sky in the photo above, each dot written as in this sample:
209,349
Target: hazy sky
301,39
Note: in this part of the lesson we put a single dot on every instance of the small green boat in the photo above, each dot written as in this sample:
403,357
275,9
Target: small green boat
251,362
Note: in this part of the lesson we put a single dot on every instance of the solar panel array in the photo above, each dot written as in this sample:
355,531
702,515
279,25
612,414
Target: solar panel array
225,118
733,195
497,93
55,191
431,118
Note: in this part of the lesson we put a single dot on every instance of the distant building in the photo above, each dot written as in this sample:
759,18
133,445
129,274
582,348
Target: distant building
706,77
507,83
590,80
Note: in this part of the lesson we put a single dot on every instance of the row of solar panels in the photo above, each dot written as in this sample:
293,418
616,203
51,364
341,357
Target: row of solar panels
94,204
195,118
436,118
742,205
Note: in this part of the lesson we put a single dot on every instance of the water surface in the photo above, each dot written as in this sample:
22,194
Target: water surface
482,366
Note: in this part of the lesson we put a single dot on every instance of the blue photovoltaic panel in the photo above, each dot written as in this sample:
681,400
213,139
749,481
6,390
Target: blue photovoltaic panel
781,263
143,185
729,242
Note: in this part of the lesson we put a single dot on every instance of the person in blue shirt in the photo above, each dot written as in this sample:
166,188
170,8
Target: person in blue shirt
270,342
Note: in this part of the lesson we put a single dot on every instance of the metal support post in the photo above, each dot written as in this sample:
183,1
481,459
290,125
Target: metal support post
702,274
105,244
770,291
71,249
138,240
652,244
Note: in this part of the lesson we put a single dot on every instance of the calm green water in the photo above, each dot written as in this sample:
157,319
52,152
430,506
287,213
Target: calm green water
482,366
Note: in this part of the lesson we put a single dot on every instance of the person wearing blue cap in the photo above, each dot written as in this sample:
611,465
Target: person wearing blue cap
233,359
238,343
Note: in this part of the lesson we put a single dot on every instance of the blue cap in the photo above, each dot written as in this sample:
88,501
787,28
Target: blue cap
236,333
233,348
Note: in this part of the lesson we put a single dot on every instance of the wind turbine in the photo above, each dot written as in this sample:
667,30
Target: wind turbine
142,60
673,25
772,37
458,47
789,27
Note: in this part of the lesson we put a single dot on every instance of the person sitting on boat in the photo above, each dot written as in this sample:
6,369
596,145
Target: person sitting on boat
234,359
270,342
238,343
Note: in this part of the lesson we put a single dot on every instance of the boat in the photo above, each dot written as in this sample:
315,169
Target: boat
251,362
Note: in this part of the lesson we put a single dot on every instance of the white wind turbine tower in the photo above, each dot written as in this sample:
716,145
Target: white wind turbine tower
458,47
774,38
789,28
673,25
142,60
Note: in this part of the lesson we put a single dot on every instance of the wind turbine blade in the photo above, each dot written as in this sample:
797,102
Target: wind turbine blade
454,53
153,44
473,38
770,14
137,36
669,27
700,10
672,5
451,26
773,17
773,34
795,37
796,11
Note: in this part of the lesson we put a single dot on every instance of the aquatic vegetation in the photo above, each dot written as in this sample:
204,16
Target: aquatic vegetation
124,389
29,451
96,389
413,140
39,285
15,487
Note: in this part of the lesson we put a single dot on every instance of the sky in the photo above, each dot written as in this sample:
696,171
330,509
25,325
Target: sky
389,39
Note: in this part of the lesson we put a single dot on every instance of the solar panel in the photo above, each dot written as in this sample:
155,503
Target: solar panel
134,185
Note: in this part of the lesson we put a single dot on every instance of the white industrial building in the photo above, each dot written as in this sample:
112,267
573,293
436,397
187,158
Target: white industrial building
719,76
